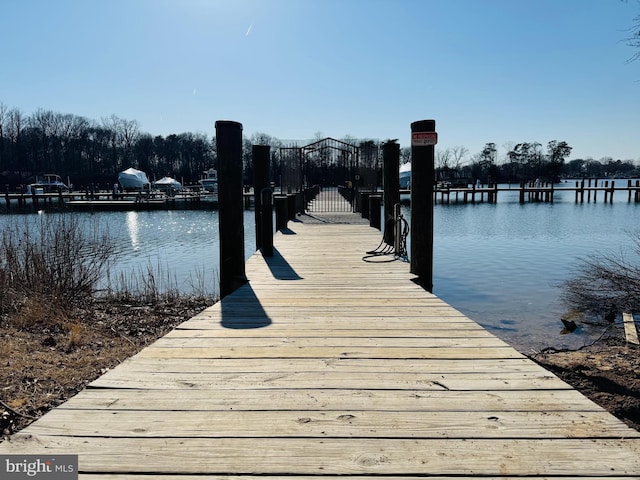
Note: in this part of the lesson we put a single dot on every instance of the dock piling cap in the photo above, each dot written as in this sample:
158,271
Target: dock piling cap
423,126
228,124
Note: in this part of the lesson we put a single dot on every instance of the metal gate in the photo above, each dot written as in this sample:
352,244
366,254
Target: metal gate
330,172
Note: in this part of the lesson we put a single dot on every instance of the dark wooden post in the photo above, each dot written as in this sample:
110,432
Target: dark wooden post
364,204
375,211
611,192
261,155
230,209
281,203
266,221
291,205
391,185
423,140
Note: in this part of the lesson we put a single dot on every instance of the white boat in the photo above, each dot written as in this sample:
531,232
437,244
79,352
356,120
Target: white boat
51,183
132,179
168,184
210,181
405,176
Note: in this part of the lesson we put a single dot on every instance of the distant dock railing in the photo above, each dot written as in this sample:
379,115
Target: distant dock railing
586,189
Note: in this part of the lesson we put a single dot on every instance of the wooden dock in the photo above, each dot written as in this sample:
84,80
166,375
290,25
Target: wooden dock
583,190
330,364
110,201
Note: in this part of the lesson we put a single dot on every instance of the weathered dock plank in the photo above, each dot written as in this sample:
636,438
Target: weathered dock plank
335,477
327,365
335,424
343,456
312,399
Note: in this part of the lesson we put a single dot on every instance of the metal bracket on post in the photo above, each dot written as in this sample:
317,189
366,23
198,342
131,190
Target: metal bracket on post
397,228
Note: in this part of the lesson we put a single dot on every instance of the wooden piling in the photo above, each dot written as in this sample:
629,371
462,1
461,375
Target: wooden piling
281,205
391,185
266,222
230,206
375,211
422,182
630,330
260,155
613,189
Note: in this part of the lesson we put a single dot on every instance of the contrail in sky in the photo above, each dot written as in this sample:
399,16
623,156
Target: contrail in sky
248,30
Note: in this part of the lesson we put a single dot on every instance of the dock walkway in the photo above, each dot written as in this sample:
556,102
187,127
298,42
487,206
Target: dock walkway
329,364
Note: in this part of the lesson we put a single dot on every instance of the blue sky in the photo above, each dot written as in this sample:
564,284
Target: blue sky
502,71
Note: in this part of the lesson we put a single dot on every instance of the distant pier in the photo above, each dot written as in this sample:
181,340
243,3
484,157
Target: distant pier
110,201
586,190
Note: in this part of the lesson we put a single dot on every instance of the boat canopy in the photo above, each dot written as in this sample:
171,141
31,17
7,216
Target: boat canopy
168,182
133,179
405,175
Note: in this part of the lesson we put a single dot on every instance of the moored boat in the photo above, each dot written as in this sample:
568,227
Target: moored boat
132,179
168,185
405,176
50,183
210,181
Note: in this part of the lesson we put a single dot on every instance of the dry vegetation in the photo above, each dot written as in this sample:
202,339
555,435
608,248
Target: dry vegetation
608,372
47,355
56,333
606,284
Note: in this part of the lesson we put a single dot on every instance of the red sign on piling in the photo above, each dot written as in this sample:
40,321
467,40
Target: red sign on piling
423,139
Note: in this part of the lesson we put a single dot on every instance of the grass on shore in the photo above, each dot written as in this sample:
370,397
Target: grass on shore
57,331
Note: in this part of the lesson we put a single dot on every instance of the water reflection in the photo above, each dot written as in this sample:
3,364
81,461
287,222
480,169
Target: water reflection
498,264
133,229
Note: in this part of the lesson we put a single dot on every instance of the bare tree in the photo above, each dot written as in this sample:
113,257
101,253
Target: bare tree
405,155
443,158
458,152
605,283
16,123
124,134
633,40
130,132
4,114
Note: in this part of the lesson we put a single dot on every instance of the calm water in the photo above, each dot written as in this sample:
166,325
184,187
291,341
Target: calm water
500,264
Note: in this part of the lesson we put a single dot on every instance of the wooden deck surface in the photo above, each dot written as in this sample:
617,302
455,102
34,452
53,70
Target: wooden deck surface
328,365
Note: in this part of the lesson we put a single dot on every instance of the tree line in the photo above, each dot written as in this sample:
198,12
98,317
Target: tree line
528,161
93,152
88,151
